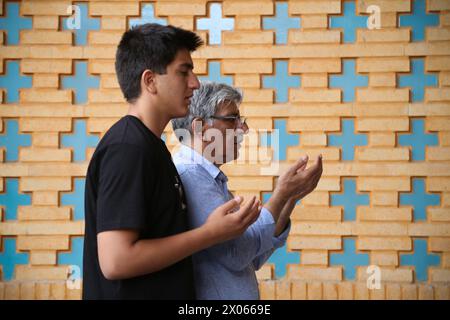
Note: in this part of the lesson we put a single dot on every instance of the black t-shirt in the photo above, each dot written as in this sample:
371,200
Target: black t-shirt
132,183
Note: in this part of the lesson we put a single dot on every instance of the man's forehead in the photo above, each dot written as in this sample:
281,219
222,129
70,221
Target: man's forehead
183,59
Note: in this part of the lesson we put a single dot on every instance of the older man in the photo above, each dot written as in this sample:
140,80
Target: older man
227,270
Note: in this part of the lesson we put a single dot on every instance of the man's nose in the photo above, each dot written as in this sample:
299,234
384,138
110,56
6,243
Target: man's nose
194,83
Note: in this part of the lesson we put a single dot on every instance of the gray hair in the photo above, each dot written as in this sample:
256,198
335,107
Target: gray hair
204,104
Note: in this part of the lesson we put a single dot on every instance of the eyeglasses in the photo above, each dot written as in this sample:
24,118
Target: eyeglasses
237,119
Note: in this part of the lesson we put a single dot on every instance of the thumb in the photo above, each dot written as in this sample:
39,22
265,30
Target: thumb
230,205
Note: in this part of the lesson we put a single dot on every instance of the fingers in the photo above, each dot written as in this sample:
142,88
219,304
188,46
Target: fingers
301,163
232,204
253,214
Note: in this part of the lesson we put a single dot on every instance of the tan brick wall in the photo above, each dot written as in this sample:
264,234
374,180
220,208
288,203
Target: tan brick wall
383,110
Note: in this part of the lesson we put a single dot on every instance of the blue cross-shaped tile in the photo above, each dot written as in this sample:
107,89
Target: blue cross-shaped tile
9,258
348,139
417,80
12,140
86,24
349,259
13,23
349,22
419,199
214,74
74,257
281,81
79,140
81,82
279,141
75,199
418,139
215,24
420,260
349,199
147,16
281,258
12,81
348,81
266,196
11,199
281,23
418,20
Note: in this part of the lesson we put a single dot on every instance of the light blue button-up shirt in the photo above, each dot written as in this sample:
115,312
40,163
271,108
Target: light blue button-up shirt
226,270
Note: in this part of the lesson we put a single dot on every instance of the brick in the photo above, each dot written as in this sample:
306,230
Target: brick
184,22
437,124
42,291
43,228
250,183
313,124
393,291
43,242
298,290
426,292
109,81
45,37
314,257
383,184
44,8
314,21
248,37
248,8
314,139
247,66
439,244
46,139
73,294
383,35
257,95
283,290
267,290
384,258
378,294
247,81
12,291
385,6
315,95
27,273
314,36
45,95
380,124
193,8
442,292
322,228
102,66
46,184
105,95
384,64
100,124
315,65
384,214
437,34
345,291
444,78
115,9
438,184
315,7
382,95
438,5
389,275
361,291
45,81
384,243
46,66
43,258
247,22
99,52
113,23
437,94
316,214
315,80
382,154
438,153
384,198
104,37
314,242
265,273
314,291
317,198
43,213
44,154
440,275
429,229
45,22
409,292
382,79
380,229
380,109
330,291
58,291
381,139
437,63
27,291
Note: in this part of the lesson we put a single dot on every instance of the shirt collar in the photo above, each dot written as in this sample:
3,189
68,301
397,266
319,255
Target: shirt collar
193,157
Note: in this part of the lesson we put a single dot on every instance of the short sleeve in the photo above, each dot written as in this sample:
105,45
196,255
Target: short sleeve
125,185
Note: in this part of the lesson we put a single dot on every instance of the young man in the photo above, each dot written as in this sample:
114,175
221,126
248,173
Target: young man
137,244
227,270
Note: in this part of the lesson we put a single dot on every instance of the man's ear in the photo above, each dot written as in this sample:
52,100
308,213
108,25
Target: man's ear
148,81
